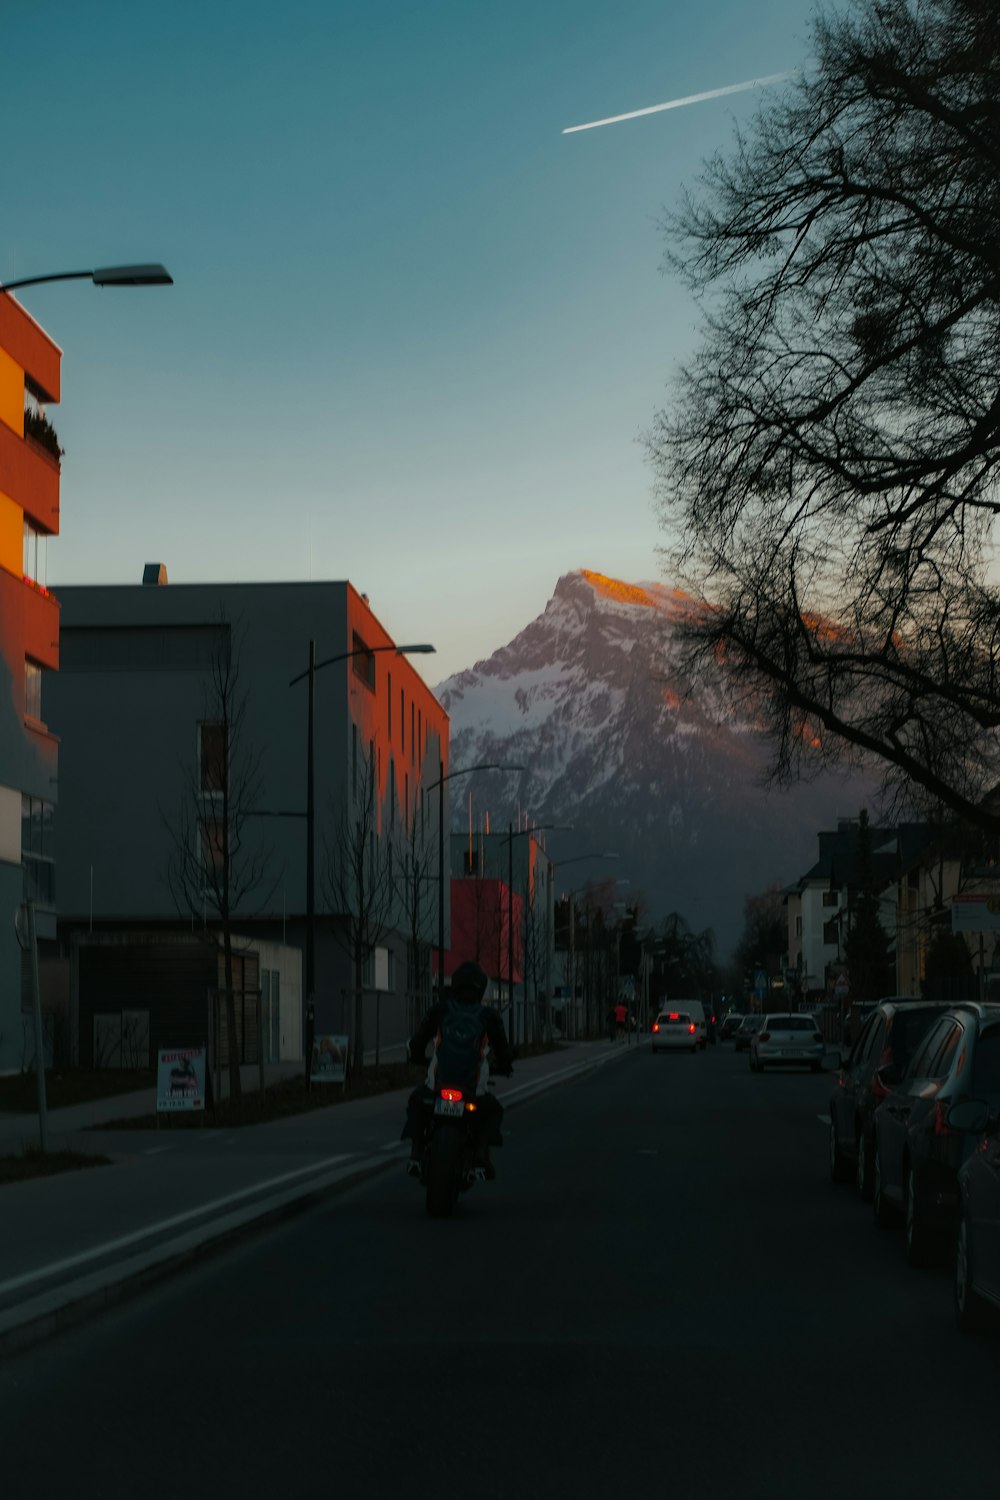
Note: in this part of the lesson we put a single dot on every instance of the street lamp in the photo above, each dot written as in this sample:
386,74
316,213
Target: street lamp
147,275
310,672
465,771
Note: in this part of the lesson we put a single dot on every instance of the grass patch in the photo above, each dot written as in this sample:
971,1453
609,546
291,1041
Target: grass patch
36,1163
19,1091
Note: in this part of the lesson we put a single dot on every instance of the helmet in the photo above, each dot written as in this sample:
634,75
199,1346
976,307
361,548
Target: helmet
469,983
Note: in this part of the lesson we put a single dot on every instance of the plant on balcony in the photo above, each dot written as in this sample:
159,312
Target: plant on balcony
38,427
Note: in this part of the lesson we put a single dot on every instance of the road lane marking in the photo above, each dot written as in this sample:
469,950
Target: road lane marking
56,1266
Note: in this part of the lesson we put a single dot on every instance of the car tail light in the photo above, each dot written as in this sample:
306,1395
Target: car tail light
692,1028
656,1025
941,1126
470,1106
763,1036
452,1095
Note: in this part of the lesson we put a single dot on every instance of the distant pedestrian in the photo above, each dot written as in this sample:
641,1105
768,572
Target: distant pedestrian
621,1017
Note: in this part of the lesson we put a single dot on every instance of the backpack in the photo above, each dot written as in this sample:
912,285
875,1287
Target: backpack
460,1050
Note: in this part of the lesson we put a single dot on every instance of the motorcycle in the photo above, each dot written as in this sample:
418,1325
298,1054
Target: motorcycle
452,1163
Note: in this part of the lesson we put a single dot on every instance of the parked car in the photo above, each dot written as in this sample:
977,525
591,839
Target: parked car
977,1242
855,1019
730,1025
673,1029
917,1152
889,1039
787,1039
747,1028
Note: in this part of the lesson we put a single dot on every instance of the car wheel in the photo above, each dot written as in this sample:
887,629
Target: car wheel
970,1310
882,1211
840,1167
865,1169
921,1246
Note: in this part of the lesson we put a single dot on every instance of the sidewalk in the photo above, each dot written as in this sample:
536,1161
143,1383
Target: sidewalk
74,1241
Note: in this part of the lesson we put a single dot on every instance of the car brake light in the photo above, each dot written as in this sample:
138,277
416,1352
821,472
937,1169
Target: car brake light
941,1126
675,1015
452,1095
764,1036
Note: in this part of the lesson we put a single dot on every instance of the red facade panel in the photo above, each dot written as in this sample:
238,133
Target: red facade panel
30,478
29,347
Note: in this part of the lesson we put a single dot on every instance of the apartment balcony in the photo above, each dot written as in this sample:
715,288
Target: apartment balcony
32,616
29,475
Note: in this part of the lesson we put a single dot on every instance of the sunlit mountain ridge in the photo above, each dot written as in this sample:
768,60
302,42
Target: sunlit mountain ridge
639,757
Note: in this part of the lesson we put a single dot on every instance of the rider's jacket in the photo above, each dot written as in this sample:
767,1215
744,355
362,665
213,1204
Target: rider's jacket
464,1034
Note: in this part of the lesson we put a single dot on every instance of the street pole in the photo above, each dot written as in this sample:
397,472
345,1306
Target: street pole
510,930
36,1003
441,879
311,867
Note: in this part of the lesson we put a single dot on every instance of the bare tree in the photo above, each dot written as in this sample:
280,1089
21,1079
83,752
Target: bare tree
828,473
416,866
216,863
359,882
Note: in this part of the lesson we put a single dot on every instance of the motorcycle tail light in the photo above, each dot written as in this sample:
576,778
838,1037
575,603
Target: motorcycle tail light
452,1095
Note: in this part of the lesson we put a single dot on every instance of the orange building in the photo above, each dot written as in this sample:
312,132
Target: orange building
29,647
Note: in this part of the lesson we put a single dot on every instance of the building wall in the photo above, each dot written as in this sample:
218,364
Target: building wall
131,693
29,632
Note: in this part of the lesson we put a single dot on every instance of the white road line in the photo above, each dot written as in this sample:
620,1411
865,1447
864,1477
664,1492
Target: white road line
125,1240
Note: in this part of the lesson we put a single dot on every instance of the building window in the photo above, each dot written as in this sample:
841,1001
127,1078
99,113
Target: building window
363,661
368,970
38,850
212,757
35,555
212,851
831,898
798,926
831,931
32,690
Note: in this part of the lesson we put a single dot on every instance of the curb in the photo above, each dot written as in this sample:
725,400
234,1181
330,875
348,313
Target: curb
58,1305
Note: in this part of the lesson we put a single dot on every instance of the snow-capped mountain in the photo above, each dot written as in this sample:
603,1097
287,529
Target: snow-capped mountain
591,699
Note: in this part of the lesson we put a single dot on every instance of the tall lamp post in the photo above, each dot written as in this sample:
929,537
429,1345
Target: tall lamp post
147,275
439,784
310,673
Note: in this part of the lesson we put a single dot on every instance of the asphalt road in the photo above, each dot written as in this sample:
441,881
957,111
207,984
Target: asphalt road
662,1288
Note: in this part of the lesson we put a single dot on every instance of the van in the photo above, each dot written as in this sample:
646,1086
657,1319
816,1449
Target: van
696,1011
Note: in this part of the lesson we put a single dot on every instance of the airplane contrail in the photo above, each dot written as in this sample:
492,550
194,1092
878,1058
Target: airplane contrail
655,109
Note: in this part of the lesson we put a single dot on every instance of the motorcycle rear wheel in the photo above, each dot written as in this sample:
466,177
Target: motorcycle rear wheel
444,1158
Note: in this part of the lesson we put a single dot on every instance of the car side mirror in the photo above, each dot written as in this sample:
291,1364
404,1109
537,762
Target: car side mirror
970,1116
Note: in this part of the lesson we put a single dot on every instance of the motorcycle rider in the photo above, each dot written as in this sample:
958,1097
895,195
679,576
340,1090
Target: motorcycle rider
463,1031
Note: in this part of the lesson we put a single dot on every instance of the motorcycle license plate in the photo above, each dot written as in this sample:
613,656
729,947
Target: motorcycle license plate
448,1106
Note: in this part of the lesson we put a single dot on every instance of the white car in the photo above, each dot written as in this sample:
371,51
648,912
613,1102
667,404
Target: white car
787,1039
673,1029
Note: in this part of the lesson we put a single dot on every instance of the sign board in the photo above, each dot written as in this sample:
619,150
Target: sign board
976,913
180,1078
329,1059
760,983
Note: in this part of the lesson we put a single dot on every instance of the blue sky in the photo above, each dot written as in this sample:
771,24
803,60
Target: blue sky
416,331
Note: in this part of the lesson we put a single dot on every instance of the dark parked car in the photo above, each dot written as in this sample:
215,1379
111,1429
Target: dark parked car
881,1052
748,1026
977,1244
917,1152
730,1025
